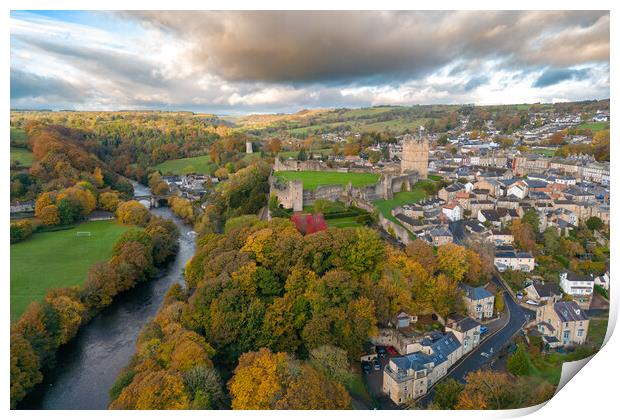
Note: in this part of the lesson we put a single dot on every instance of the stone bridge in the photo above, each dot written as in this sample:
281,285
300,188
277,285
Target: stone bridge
153,200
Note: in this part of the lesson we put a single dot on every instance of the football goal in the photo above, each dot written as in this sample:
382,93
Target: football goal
82,233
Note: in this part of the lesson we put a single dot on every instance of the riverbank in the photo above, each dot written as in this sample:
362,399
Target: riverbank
87,366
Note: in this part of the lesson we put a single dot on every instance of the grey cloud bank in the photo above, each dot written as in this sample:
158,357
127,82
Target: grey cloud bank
280,61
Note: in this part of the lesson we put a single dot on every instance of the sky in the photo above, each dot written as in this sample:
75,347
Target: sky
257,62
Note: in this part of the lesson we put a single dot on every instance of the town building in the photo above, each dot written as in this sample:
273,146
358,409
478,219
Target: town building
479,301
580,288
562,324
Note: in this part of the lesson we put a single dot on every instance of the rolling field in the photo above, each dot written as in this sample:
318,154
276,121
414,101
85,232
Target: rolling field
19,136
343,222
313,179
198,164
594,126
23,156
57,259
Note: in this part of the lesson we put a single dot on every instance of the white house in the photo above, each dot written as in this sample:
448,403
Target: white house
514,260
602,281
580,288
518,189
453,211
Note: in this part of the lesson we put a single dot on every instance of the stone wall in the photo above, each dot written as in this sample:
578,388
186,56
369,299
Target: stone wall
389,226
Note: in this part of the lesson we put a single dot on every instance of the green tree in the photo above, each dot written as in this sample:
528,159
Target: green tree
518,363
594,223
447,394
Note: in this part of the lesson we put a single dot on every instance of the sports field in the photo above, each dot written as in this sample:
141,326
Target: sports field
198,164
57,259
23,156
313,179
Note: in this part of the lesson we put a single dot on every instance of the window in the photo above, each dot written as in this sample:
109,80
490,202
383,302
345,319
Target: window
579,333
566,335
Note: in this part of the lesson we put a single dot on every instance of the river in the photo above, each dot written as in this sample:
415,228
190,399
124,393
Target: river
87,367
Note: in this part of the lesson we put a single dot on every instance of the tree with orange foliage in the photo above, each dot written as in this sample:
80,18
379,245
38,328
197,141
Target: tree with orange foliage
423,253
153,390
49,215
132,212
524,235
43,200
109,201
452,260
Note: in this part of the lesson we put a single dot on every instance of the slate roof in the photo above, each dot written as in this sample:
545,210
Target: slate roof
415,361
569,311
475,293
546,289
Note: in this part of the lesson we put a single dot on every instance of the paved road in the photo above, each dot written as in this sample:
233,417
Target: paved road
474,360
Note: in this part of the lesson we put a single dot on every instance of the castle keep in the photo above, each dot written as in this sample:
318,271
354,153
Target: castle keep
415,155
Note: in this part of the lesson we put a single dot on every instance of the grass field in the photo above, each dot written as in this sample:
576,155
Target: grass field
343,222
18,135
313,179
57,259
594,126
400,198
198,164
23,156
544,152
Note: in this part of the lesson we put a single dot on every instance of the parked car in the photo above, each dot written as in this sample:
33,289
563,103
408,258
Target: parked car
519,295
483,330
381,351
485,355
377,365
392,351
366,367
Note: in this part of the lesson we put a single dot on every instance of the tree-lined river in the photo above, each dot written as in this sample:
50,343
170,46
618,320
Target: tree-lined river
87,367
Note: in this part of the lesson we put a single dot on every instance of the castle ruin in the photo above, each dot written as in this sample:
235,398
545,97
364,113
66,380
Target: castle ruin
415,154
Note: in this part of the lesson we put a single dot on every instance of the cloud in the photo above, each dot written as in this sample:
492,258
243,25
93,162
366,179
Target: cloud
25,85
284,61
315,46
554,76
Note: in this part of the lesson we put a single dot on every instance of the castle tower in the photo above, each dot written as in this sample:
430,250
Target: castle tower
415,154
248,147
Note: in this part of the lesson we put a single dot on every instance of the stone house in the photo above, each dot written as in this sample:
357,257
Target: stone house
562,323
479,301
542,292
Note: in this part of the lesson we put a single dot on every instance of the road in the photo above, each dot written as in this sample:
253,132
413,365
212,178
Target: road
491,345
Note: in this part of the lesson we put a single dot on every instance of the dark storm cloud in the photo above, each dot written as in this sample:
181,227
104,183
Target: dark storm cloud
307,47
552,77
25,85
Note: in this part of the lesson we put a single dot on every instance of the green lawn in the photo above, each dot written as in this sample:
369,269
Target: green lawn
21,155
343,222
594,126
57,259
198,164
544,152
18,135
312,179
400,198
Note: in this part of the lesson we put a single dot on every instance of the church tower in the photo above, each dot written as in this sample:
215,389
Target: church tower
415,154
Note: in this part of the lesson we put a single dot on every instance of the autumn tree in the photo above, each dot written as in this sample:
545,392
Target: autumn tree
49,215
109,201
153,390
132,212
452,260
25,365
423,253
524,235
